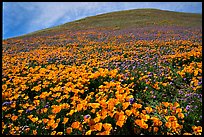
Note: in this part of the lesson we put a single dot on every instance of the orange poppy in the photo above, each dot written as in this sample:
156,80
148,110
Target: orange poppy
120,123
79,107
168,124
54,126
45,120
56,109
122,117
107,126
197,129
135,105
178,110
125,105
65,120
97,119
13,118
155,129
171,118
148,109
176,104
166,104
75,124
68,130
128,112
51,122
98,126
180,115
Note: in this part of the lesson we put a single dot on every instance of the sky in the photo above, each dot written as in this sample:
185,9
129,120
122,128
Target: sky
20,18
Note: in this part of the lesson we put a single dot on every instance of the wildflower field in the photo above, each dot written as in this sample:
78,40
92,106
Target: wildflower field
104,82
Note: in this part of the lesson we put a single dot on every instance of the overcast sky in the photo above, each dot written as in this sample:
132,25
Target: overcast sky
24,17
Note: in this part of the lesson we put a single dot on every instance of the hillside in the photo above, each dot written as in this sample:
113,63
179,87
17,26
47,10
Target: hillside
136,72
127,20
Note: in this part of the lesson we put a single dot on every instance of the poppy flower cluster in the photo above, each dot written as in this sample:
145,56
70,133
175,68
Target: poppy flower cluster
100,82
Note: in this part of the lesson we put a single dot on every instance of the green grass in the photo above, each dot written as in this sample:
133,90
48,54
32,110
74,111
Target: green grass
127,19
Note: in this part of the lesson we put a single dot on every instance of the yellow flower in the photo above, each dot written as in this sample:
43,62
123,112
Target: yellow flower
26,97
94,105
88,132
145,117
20,111
35,132
59,133
187,134
70,113
34,119
53,133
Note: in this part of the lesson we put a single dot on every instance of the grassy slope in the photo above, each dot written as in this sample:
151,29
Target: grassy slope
127,19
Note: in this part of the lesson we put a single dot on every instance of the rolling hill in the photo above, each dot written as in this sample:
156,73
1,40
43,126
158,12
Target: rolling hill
135,72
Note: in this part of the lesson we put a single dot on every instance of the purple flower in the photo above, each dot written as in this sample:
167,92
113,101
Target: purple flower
46,106
180,92
187,107
199,83
28,111
184,79
7,103
63,88
187,95
131,100
87,116
164,95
